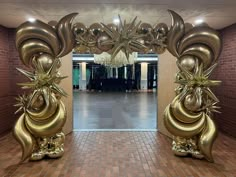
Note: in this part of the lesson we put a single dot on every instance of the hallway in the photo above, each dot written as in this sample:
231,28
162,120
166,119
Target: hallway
115,110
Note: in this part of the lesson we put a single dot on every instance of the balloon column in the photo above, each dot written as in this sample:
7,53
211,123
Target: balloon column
39,128
188,117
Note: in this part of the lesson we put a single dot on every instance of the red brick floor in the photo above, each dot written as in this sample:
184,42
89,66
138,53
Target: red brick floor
119,154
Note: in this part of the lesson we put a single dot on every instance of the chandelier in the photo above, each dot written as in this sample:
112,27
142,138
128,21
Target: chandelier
118,61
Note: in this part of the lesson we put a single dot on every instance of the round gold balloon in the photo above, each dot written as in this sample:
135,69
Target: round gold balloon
160,28
188,62
112,26
145,28
102,45
96,29
45,61
79,29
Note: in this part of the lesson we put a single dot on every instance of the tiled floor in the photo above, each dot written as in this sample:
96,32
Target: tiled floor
115,110
119,154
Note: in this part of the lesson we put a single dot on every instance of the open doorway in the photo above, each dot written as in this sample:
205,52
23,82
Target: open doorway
115,98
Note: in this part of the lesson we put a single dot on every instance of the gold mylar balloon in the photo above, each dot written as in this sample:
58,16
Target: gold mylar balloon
96,29
53,23
45,61
102,43
112,26
188,62
79,29
81,49
145,28
161,28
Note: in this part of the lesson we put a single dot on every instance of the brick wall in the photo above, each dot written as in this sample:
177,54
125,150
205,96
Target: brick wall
9,60
226,72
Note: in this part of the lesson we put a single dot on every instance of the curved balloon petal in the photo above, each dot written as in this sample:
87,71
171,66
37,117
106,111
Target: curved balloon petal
178,128
65,34
183,115
31,47
207,139
202,35
202,52
37,30
24,138
175,33
47,127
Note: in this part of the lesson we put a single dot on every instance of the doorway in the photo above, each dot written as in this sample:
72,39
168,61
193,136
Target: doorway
115,100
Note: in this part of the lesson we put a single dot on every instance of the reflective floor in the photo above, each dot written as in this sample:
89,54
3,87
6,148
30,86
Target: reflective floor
115,110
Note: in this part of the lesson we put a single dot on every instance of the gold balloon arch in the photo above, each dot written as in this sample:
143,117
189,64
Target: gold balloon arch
188,117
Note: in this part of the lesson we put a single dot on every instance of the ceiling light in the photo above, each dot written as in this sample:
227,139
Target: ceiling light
116,20
199,21
31,19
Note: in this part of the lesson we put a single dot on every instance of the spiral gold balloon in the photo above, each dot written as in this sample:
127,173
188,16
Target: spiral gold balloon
47,127
37,30
31,48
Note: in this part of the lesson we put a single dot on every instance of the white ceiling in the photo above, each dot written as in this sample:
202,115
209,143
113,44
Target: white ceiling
217,13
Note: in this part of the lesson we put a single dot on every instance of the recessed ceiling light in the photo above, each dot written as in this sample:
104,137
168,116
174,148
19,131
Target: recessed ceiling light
31,19
116,20
199,21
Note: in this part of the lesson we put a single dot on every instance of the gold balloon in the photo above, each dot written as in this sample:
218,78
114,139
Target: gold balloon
103,44
96,29
65,34
175,33
79,29
145,28
188,27
188,62
45,61
188,117
31,48
112,26
40,31
38,130
161,28
53,23
23,136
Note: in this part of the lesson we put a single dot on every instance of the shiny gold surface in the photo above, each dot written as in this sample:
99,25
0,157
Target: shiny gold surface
39,128
188,117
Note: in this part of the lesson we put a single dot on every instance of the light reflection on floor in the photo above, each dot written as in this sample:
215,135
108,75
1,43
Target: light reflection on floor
115,110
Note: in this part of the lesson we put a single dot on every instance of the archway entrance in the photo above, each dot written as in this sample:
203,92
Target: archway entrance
188,117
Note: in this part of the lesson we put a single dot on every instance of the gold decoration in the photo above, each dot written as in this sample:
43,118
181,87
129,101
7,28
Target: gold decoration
188,117
39,128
